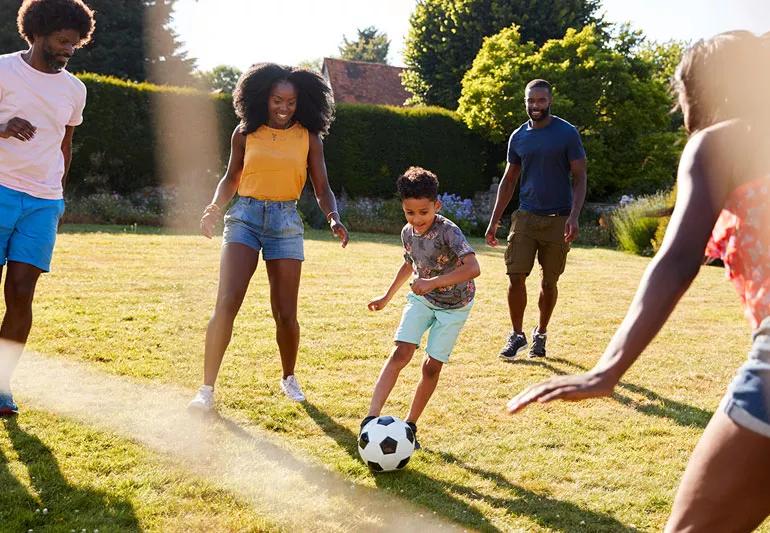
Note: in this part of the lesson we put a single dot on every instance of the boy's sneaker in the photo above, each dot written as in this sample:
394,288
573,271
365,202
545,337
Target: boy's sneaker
413,427
204,400
7,406
516,344
290,387
538,344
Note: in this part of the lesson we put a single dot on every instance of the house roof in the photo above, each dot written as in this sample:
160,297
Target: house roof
359,82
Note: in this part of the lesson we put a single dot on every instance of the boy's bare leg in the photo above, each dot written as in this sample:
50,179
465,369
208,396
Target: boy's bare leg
400,356
431,369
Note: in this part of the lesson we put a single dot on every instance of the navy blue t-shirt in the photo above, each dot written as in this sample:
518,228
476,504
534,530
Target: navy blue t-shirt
544,155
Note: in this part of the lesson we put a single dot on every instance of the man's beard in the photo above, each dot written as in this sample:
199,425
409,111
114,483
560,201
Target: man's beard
545,113
52,60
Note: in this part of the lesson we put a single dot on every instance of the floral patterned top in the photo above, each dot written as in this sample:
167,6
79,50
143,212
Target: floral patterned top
741,238
435,252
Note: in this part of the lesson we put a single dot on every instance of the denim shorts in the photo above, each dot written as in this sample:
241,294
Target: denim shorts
445,324
747,401
274,227
28,228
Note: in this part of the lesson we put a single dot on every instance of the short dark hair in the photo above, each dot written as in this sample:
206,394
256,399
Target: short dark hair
539,84
44,17
315,108
416,182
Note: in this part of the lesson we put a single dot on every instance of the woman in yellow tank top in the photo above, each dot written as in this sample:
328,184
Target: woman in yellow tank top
283,114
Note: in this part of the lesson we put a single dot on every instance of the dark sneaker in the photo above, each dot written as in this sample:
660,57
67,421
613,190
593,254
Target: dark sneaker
7,406
516,344
538,344
413,427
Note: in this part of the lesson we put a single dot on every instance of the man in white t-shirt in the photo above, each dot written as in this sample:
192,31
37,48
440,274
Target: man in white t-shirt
40,105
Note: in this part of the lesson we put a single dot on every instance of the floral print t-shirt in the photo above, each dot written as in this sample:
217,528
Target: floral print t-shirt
438,251
741,238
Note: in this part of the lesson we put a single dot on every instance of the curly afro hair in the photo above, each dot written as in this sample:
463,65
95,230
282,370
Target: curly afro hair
416,182
725,77
315,110
43,17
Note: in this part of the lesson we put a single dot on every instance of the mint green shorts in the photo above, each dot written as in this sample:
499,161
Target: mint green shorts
444,324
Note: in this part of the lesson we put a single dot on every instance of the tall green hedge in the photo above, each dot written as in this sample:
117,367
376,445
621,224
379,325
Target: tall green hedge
369,146
120,145
123,146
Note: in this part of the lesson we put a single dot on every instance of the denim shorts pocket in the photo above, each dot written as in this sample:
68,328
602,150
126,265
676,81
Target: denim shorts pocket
235,212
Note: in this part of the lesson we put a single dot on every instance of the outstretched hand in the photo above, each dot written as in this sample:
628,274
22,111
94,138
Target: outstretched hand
378,304
569,388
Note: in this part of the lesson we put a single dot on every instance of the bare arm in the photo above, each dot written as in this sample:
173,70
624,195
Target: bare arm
701,193
504,195
468,270
323,192
66,150
228,185
579,185
403,274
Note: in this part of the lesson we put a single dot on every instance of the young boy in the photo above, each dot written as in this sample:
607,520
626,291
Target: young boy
443,265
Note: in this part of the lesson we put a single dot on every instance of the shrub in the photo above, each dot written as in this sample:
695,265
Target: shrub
369,146
137,135
374,215
635,224
663,224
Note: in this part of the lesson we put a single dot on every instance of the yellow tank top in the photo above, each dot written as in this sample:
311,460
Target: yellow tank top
275,163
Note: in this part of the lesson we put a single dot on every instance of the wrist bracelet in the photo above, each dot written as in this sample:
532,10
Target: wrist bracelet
329,215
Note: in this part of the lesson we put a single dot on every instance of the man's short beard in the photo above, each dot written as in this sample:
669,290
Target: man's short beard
545,114
52,61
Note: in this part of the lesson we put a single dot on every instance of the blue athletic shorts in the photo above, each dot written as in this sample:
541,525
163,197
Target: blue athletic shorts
28,228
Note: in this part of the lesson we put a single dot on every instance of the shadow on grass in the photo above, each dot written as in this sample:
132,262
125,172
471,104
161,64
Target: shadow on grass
68,506
654,405
444,497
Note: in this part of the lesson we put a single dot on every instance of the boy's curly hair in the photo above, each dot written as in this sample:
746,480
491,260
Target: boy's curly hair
43,17
416,182
315,110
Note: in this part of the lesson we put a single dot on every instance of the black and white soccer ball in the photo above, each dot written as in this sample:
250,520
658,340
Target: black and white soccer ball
386,444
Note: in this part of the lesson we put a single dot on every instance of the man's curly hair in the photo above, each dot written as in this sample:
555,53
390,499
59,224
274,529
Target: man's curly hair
416,182
43,17
315,110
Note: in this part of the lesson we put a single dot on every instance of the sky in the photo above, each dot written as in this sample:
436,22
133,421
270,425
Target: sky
242,32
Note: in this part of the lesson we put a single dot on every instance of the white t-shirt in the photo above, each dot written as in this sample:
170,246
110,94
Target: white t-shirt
49,102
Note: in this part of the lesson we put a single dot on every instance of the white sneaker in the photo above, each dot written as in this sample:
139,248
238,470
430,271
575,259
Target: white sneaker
290,387
203,401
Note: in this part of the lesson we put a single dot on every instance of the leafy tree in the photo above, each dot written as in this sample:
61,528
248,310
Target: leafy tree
165,62
445,35
221,78
315,64
610,92
132,40
370,46
10,40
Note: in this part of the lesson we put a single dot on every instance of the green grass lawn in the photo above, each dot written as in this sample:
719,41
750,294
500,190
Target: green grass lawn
136,304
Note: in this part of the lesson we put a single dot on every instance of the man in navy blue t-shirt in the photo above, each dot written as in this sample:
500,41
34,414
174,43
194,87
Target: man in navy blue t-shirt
547,156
